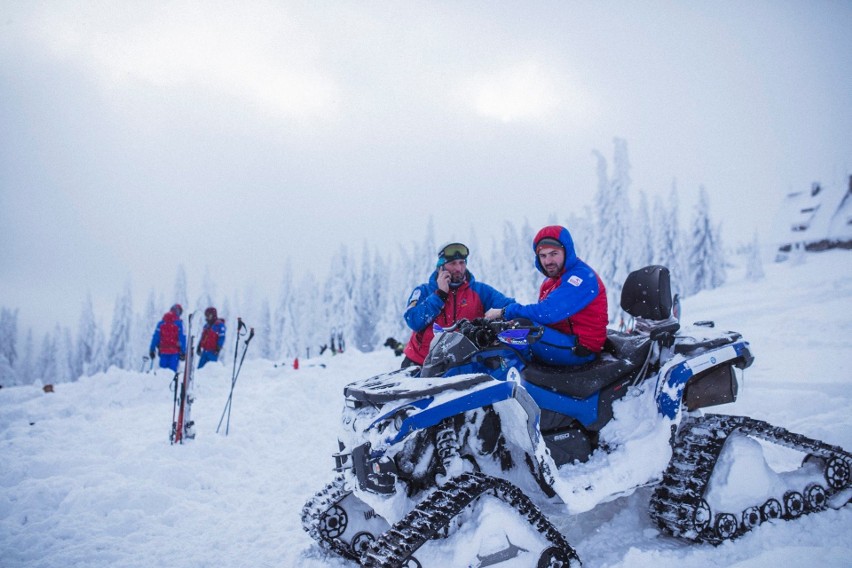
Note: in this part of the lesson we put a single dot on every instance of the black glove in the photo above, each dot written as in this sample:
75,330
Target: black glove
183,356
151,354
198,351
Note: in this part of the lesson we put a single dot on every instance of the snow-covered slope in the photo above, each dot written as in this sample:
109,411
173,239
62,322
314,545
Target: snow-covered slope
88,478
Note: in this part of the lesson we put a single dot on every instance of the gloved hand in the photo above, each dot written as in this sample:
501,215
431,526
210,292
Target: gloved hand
198,351
151,354
183,356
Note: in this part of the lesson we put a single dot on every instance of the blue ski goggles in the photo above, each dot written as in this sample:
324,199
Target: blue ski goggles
451,252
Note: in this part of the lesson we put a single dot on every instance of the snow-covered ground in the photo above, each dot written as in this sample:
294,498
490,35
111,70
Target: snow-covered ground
88,478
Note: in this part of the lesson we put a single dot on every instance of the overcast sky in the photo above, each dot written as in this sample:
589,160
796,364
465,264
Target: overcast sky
233,135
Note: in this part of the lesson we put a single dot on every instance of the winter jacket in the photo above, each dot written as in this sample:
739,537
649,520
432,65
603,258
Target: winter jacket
168,336
213,336
425,307
574,302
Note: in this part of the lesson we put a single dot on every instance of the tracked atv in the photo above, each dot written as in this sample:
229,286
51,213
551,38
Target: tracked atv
456,463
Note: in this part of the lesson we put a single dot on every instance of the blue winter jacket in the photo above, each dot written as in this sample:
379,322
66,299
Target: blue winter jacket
470,300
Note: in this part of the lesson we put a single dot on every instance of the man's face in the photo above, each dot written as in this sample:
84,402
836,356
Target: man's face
457,269
552,260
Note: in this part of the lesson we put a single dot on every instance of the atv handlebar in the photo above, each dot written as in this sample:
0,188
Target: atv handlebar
484,332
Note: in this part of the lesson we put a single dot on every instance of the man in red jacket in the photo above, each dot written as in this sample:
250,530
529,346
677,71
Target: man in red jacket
571,306
451,294
212,337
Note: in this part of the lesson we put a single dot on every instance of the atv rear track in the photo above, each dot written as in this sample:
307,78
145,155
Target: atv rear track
679,505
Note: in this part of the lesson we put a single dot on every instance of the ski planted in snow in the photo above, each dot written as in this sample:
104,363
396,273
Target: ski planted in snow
183,428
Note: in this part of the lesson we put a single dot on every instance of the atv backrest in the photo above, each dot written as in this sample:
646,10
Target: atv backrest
647,293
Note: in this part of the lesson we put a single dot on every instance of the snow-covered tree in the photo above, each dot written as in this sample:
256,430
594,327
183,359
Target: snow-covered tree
180,290
612,203
706,258
8,375
45,367
208,291
26,366
339,294
64,371
643,235
512,261
368,295
395,292
264,331
89,350
309,317
754,260
9,337
669,241
119,349
286,333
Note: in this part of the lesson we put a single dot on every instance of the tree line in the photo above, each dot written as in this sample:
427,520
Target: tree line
365,294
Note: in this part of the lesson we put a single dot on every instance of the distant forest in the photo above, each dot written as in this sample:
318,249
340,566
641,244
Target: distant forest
365,294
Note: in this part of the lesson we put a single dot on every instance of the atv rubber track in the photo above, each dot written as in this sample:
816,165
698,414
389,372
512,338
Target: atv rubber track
397,545
678,505
314,511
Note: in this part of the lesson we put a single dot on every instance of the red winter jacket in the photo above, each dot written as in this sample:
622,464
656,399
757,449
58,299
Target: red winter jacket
574,302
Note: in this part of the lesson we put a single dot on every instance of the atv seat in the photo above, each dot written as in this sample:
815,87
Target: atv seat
647,296
622,355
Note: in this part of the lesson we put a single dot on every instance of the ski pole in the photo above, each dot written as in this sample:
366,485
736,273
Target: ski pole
240,332
236,373
243,358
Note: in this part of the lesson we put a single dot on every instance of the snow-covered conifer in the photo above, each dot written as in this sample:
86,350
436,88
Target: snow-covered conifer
643,235
64,371
264,331
9,335
45,367
180,294
339,292
706,258
8,376
87,336
669,241
286,333
26,366
367,303
614,222
119,349
208,291
754,260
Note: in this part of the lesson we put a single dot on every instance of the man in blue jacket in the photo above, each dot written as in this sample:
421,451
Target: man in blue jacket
572,305
451,294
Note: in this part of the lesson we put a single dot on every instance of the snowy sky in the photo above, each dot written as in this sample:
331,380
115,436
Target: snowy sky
138,136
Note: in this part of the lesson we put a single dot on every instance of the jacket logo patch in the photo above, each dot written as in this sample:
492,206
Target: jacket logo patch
575,280
412,301
464,302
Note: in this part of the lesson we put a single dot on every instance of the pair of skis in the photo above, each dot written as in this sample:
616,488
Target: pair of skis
183,428
235,372
182,424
